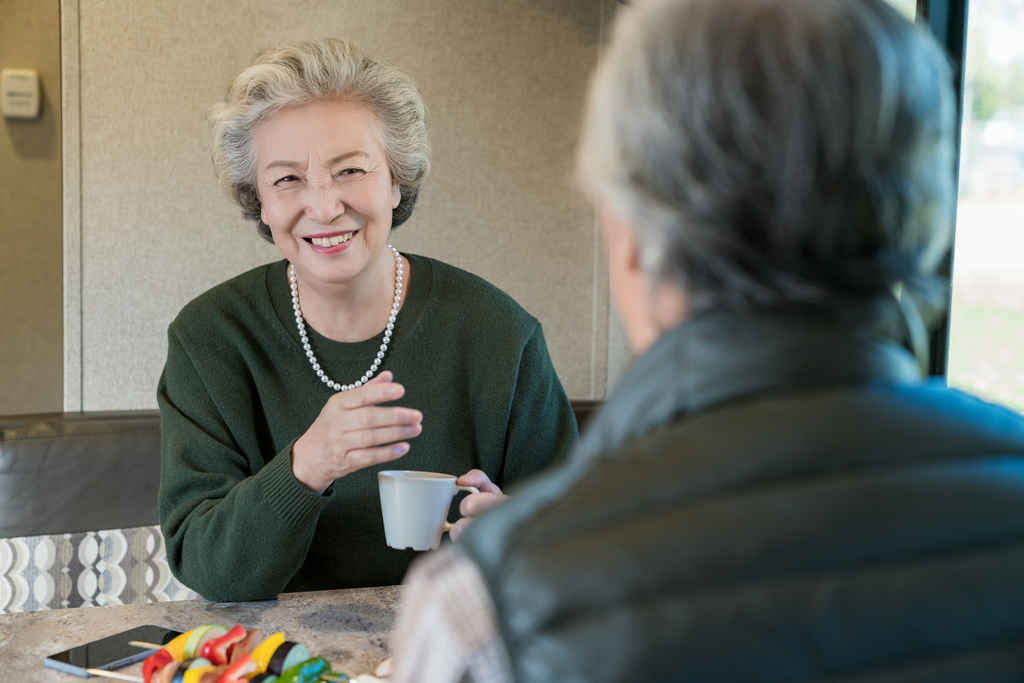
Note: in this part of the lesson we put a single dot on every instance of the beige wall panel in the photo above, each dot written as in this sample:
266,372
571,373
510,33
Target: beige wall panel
506,94
30,217
504,81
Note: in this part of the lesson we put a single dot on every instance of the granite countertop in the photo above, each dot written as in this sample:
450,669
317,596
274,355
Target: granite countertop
350,628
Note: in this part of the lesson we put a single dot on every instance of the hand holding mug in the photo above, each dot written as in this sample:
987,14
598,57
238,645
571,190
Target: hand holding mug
353,431
475,504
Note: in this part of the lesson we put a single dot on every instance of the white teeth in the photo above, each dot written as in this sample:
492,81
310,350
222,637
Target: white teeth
331,241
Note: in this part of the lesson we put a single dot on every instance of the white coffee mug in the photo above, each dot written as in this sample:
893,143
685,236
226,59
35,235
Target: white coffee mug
415,507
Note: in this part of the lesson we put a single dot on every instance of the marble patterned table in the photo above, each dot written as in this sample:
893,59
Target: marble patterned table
350,628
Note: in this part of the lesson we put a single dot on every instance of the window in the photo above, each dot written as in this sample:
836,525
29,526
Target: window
986,339
907,7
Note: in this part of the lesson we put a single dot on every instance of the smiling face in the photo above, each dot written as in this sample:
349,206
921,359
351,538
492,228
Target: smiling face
326,190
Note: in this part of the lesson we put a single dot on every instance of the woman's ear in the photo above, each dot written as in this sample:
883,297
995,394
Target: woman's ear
396,193
259,200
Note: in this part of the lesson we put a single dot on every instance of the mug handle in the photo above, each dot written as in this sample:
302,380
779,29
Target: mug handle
471,489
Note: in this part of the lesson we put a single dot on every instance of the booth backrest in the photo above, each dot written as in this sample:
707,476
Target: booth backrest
72,472
78,510
584,411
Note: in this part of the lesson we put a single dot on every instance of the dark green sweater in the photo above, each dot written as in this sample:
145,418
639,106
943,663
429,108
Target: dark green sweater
237,391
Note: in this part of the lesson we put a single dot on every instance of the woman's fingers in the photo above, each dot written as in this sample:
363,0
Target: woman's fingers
365,457
353,431
385,376
358,409
374,418
368,438
380,389
478,479
457,530
476,504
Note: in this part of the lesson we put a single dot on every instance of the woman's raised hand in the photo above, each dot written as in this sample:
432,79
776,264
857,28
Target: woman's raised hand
476,504
353,432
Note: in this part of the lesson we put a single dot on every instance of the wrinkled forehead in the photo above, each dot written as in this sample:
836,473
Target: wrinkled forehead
320,131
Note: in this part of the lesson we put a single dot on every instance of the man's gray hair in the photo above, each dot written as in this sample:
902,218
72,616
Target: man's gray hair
773,152
308,70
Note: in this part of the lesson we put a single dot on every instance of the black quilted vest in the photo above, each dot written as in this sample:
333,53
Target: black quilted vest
770,498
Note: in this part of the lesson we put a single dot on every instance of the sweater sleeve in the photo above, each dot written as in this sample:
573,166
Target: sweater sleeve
232,533
541,427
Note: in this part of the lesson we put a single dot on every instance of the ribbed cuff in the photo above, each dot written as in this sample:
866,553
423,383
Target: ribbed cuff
296,504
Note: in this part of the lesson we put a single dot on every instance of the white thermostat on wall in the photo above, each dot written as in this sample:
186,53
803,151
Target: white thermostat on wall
19,93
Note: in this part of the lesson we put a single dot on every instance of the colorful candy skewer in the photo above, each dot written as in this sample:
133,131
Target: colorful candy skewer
334,678
232,656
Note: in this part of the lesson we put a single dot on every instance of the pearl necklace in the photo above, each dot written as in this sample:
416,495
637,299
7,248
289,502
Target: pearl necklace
301,324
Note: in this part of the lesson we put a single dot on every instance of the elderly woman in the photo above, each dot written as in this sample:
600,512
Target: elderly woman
772,493
272,398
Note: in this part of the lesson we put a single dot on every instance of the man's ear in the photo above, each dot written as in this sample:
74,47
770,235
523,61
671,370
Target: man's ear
622,243
646,310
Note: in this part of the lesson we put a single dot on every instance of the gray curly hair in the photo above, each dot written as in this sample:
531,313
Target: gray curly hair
775,152
308,70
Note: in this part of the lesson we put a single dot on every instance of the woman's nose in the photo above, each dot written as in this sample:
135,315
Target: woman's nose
323,204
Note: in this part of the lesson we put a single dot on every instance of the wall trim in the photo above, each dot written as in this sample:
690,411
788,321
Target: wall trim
71,138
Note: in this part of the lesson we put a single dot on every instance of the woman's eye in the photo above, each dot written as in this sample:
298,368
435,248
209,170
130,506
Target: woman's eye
350,171
285,179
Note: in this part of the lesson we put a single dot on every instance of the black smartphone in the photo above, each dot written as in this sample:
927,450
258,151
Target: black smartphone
111,652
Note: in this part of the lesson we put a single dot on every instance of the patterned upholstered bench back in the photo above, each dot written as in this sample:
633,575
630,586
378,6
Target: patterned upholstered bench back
64,476
85,569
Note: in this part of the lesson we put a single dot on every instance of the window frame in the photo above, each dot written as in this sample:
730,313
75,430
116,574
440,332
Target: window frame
947,21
